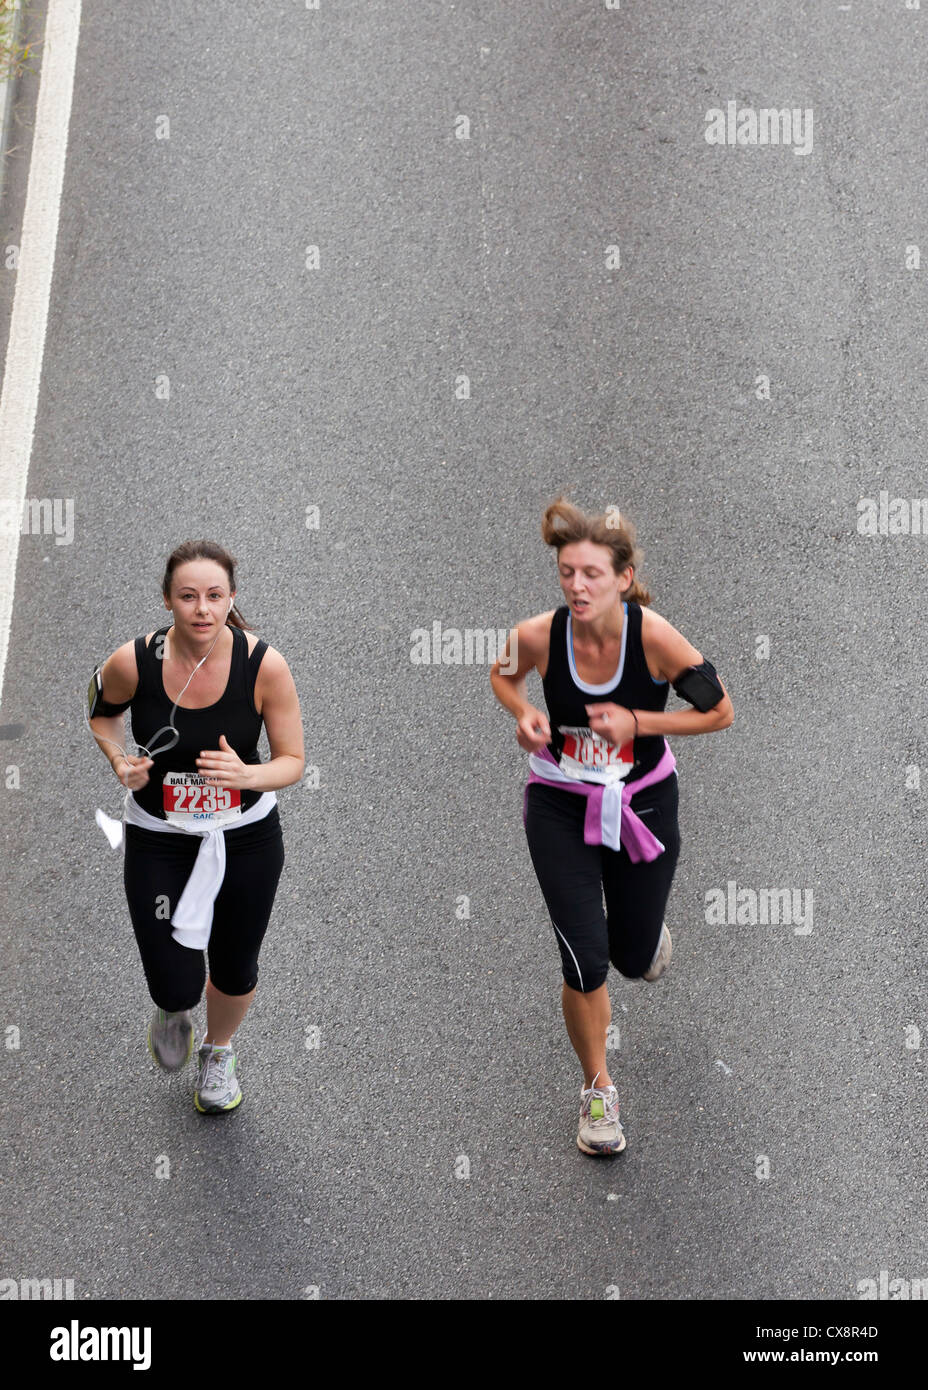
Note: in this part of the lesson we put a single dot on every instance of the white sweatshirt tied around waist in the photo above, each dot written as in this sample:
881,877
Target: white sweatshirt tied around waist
192,919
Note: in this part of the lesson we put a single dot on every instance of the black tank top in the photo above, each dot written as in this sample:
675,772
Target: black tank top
234,715
632,686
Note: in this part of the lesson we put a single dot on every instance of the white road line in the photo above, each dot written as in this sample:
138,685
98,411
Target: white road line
23,372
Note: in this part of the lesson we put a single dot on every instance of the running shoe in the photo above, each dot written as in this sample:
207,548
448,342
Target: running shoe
170,1038
661,956
600,1131
217,1085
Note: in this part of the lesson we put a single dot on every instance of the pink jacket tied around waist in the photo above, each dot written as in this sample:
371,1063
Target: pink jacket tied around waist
609,818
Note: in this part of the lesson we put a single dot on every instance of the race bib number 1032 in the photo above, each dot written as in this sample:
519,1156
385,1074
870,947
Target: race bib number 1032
589,756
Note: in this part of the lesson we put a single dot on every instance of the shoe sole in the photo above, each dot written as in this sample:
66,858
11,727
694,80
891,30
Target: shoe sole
651,978
217,1109
157,1060
602,1153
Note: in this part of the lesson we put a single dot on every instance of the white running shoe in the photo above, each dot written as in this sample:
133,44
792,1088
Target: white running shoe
217,1087
600,1131
170,1038
661,956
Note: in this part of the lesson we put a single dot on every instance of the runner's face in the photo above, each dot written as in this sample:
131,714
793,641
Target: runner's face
200,597
590,584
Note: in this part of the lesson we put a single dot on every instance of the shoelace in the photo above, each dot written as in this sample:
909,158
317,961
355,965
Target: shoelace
216,1075
610,1099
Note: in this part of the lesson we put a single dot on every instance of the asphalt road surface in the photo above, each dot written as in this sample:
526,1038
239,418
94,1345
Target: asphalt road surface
420,1143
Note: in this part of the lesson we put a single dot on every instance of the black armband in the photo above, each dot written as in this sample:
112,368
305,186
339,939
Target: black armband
700,686
96,703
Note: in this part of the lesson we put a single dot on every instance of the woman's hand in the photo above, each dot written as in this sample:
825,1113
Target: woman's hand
224,767
135,766
612,722
533,731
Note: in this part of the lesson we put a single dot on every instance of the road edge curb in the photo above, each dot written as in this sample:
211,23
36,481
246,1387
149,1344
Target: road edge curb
7,86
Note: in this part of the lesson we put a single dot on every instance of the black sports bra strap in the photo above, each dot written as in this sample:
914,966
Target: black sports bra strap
254,661
251,669
140,656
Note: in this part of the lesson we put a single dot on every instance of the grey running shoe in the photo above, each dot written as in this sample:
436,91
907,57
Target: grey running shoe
600,1131
217,1085
170,1038
661,956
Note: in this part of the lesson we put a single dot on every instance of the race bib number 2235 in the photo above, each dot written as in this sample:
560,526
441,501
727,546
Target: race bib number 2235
190,800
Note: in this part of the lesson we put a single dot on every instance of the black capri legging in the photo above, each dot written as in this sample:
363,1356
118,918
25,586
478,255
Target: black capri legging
573,877
156,869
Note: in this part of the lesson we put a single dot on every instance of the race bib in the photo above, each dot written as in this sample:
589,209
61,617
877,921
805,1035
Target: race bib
190,800
592,758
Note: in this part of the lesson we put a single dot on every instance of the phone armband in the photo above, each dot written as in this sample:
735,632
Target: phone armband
700,686
96,704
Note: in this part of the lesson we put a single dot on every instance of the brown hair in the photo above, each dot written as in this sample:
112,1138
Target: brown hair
565,524
205,550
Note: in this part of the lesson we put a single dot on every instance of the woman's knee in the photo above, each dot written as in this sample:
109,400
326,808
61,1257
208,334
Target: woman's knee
234,982
629,969
175,995
631,958
584,955
584,978
174,989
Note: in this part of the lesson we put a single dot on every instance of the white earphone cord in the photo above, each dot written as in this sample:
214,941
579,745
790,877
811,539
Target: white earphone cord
168,725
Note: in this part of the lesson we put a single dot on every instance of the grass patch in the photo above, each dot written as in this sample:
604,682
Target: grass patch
14,57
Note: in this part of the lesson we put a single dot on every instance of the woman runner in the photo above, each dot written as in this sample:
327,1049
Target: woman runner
600,805
203,843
